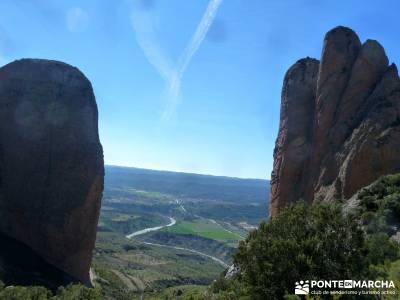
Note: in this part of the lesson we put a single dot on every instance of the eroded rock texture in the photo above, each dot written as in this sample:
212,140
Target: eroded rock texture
340,122
51,162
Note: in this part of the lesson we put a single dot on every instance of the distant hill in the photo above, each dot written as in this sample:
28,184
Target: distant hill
188,185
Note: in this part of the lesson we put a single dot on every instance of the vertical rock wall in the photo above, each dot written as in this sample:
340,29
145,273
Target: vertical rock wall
51,162
340,124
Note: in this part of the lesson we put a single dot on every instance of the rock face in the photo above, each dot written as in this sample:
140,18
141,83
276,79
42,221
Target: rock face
340,122
20,265
51,162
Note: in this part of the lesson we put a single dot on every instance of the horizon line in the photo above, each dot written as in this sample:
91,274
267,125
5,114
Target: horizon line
184,172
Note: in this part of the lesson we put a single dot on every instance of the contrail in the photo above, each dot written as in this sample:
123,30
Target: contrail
199,35
146,38
184,60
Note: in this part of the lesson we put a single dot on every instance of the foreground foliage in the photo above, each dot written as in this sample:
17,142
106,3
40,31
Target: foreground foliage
319,241
70,292
302,242
379,205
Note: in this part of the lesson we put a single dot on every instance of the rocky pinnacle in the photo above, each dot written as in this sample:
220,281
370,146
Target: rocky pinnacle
340,122
51,162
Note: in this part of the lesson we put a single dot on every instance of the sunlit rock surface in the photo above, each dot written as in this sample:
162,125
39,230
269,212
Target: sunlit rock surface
340,122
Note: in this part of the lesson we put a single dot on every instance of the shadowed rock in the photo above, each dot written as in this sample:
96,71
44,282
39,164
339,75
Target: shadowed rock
351,123
20,265
295,131
51,162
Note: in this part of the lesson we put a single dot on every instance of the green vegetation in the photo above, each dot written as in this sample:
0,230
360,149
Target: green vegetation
218,249
183,292
189,186
303,241
204,228
307,241
70,292
208,211
112,220
379,205
126,268
392,272
137,199
139,192
252,213
379,212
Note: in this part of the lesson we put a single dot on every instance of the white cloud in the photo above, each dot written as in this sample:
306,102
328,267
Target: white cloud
147,40
77,19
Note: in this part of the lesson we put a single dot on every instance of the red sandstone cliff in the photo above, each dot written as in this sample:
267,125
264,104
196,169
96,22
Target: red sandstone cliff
51,162
340,122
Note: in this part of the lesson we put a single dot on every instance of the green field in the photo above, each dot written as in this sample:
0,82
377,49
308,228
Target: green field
164,264
204,228
124,269
112,220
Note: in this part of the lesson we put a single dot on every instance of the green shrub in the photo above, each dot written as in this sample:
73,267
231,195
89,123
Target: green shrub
70,292
25,293
77,292
301,242
379,206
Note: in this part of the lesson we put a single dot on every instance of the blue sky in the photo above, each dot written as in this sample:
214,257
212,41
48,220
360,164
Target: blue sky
178,93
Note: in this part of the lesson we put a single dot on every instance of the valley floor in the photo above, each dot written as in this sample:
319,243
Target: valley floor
149,243
163,232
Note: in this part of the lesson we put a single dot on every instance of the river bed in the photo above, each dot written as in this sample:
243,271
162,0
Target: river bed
146,230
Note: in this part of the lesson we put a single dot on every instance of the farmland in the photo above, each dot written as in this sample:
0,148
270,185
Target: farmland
212,215
205,228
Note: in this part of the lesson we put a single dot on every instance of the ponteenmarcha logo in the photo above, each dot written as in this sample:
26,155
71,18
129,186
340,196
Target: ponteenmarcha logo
302,287
353,287
352,284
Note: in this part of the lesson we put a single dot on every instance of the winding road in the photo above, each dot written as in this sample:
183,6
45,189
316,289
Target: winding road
173,222
190,250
